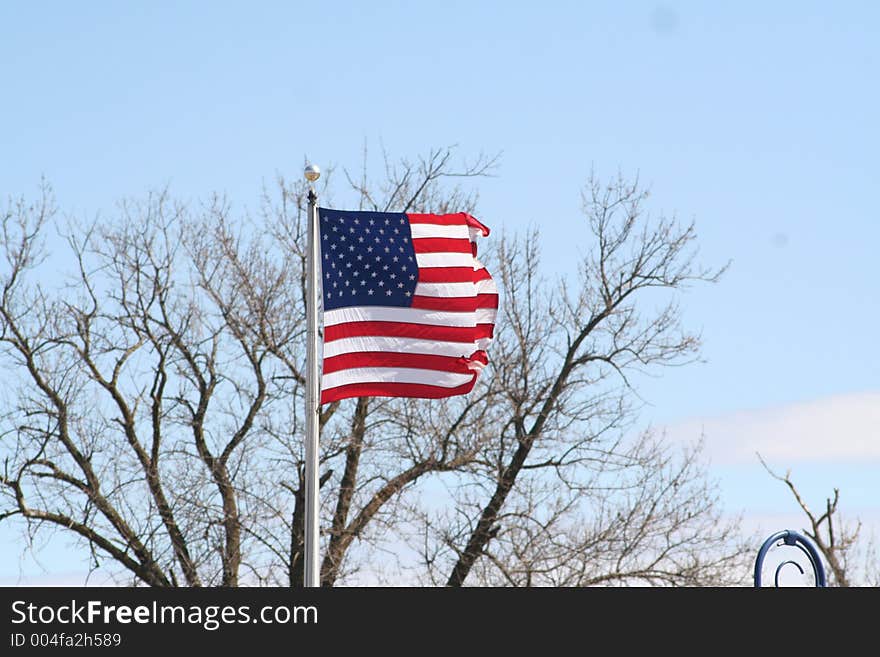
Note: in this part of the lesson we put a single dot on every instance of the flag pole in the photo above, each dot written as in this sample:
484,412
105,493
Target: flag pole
311,579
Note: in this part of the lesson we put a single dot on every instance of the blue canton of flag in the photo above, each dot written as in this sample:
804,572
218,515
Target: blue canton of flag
368,259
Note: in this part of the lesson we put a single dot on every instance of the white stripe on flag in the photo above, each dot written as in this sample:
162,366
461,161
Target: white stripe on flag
485,315
436,230
446,290
475,233
393,314
445,260
487,286
393,375
397,345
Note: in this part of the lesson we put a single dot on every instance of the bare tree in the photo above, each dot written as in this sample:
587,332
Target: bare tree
561,495
136,393
847,554
155,391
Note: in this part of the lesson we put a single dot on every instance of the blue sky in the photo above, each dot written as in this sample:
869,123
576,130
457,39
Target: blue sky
758,121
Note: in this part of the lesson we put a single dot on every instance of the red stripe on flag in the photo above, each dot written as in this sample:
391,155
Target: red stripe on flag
449,220
452,274
480,356
458,365
441,245
394,390
485,331
455,304
402,330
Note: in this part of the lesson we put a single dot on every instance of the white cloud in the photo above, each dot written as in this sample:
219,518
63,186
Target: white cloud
838,428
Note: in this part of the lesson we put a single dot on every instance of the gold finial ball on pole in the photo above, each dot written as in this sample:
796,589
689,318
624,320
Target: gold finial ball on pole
312,172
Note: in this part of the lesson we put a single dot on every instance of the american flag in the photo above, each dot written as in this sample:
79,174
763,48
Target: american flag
408,308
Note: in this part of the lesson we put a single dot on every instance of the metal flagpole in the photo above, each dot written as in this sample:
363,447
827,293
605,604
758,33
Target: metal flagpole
312,173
